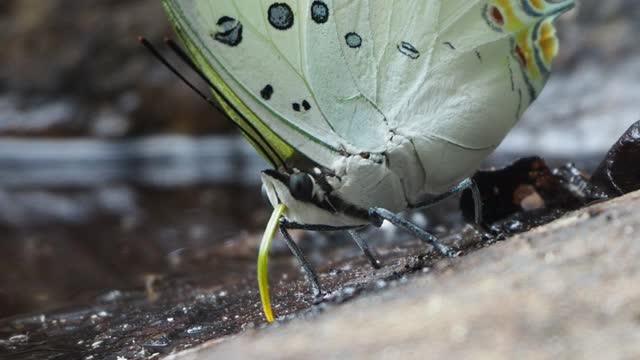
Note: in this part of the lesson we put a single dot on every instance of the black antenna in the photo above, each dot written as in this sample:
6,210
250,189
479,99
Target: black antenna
184,57
171,68
177,49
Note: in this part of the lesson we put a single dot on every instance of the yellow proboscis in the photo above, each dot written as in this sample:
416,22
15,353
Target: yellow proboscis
263,260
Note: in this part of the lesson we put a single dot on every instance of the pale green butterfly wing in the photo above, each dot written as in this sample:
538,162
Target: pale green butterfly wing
484,71
213,32
460,70
344,88
282,73
323,77
452,76
269,144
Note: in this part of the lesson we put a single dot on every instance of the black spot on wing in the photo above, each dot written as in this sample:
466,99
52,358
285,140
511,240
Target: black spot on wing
280,16
298,107
449,44
353,40
229,31
267,92
319,12
409,50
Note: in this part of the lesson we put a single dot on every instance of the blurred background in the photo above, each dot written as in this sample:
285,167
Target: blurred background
111,170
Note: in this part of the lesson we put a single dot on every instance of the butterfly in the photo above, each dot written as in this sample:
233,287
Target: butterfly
366,108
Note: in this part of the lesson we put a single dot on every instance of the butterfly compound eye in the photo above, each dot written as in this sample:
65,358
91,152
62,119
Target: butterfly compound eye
301,186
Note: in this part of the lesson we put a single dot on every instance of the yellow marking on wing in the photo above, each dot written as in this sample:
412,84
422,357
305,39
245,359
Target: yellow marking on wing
547,42
512,23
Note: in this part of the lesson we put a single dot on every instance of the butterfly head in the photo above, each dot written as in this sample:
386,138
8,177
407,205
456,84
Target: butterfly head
309,199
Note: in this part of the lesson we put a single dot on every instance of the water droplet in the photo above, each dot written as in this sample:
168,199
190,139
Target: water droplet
349,290
194,330
20,338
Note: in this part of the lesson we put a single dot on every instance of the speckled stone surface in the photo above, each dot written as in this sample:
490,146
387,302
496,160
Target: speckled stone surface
567,290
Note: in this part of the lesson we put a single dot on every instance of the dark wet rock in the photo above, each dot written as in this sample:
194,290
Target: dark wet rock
522,187
520,222
619,172
528,193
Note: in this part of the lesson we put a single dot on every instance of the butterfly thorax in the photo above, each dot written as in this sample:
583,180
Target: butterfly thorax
395,180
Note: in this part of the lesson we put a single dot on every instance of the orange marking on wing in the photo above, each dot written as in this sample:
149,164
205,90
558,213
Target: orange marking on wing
524,53
496,16
520,55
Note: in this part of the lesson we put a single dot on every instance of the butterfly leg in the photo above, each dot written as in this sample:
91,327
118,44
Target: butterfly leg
364,246
477,204
384,214
467,183
424,235
306,266
362,243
